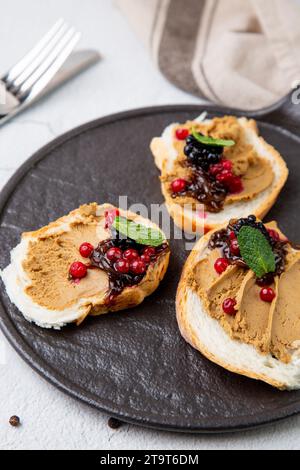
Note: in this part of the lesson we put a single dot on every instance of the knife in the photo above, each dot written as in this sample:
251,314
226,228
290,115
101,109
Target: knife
77,62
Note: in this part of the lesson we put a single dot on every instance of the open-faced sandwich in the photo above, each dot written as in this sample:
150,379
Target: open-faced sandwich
221,165
95,260
238,301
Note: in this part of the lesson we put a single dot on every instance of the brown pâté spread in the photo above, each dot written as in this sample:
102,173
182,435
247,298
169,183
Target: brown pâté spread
271,325
83,255
49,257
253,170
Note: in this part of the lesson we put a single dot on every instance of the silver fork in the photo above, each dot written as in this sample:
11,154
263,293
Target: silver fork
29,77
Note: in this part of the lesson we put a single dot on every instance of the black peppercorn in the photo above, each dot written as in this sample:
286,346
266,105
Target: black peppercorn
114,423
14,421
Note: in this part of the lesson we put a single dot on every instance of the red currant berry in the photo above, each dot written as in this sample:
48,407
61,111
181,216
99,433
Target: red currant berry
221,265
216,169
149,251
114,253
130,254
229,306
232,235
227,165
274,234
234,247
224,177
138,267
178,185
122,266
146,259
267,294
110,216
78,270
235,185
86,249
182,133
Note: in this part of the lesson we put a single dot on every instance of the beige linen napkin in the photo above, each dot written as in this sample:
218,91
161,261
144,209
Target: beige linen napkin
241,53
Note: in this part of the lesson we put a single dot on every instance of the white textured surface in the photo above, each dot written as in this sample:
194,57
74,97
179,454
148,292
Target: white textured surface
125,79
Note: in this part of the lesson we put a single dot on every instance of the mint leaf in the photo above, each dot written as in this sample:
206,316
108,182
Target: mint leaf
139,233
206,140
256,251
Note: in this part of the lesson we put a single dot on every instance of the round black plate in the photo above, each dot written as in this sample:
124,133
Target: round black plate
133,364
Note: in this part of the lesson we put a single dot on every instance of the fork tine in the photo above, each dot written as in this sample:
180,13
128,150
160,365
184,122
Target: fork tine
13,73
33,87
46,63
39,58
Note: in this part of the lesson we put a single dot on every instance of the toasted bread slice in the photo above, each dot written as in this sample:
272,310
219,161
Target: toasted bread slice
190,220
55,301
206,334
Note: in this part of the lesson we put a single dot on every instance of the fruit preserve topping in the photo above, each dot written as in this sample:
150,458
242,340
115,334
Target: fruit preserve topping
205,189
149,251
114,253
138,266
217,148
263,250
253,297
125,256
131,254
211,176
128,269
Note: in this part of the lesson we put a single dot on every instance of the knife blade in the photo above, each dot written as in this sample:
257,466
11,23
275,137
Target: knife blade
77,62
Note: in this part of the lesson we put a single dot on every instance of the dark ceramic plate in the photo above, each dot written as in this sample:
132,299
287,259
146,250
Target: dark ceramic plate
134,365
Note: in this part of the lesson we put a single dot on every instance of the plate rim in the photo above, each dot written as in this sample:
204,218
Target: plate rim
65,385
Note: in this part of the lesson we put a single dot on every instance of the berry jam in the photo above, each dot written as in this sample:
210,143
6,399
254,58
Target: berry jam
128,269
212,176
226,241
204,188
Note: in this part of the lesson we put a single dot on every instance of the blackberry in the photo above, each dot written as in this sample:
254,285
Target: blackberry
250,221
201,155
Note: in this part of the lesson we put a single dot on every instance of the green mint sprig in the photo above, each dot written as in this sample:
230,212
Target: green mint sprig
206,140
256,251
140,233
